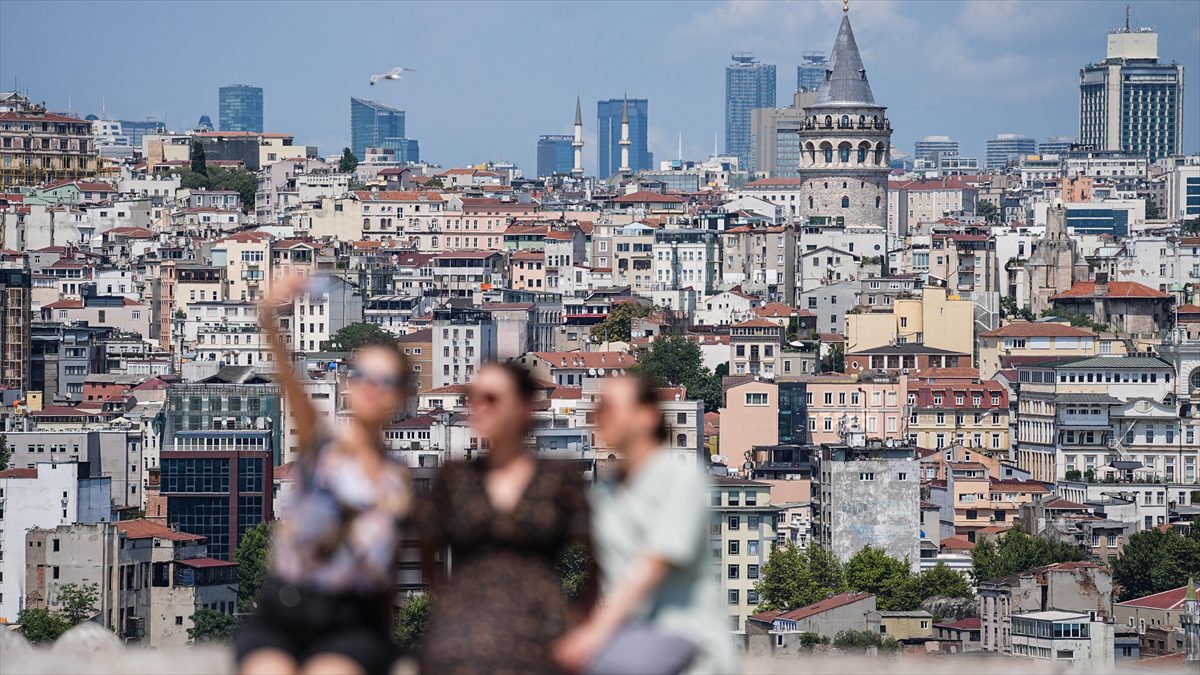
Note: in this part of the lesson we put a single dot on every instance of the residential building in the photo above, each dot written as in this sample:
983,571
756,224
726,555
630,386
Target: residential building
849,611
749,85
240,108
1081,639
934,319
1080,587
1021,339
971,414
39,147
463,339
742,535
1131,101
1157,618
755,347
16,292
811,74
48,495
1125,306
931,147
114,453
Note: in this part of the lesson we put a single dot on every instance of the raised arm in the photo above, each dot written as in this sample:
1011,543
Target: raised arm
285,290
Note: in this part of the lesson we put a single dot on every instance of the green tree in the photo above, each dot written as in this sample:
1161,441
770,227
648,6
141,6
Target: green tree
674,360
209,625
938,580
1153,212
78,602
859,640
1009,309
1015,551
1192,226
412,620
434,183
347,162
41,626
793,578
251,558
356,335
810,640
872,570
199,161
987,210
1153,561
618,325
1075,319
574,567
241,181
5,453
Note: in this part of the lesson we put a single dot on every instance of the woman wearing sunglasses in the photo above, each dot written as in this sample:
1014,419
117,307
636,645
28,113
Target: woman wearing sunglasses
660,609
505,518
327,605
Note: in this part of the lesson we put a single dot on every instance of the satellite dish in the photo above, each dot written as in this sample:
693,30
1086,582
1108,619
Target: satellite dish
592,371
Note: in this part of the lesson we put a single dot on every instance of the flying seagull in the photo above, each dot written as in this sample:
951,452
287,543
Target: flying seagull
393,74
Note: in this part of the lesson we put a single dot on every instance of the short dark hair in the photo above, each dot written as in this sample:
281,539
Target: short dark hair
523,381
646,394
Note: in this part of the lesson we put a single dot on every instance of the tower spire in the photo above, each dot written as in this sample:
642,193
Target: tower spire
625,136
845,6
577,142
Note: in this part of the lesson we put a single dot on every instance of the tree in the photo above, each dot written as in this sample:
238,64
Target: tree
793,578
1009,309
357,335
862,640
1015,551
1075,319
239,180
872,570
5,453
618,325
78,602
209,625
41,626
347,162
674,360
835,360
1153,212
987,210
199,161
1153,561
937,581
574,567
412,620
251,558
810,640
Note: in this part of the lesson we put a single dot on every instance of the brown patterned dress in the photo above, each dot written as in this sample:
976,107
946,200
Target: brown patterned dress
502,605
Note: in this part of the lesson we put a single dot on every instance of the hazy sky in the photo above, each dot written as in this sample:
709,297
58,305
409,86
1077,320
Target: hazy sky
493,76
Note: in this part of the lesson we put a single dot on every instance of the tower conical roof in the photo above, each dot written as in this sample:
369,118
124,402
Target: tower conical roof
846,79
578,113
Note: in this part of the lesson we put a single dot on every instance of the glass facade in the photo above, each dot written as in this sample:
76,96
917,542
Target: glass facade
608,136
372,123
1007,148
748,85
811,73
555,155
205,516
241,108
932,146
793,413
1192,196
1098,221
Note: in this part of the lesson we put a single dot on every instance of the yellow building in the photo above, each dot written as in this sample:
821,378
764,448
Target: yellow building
246,258
1028,338
744,521
38,147
970,414
934,319
914,625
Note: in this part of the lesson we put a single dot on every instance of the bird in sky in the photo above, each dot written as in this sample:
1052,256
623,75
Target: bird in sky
393,74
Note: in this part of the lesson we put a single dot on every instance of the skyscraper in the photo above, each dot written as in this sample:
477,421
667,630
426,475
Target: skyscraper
555,154
608,136
371,123
748,85
811,73
932,146
1005,148
1130,101
241,108
1056,145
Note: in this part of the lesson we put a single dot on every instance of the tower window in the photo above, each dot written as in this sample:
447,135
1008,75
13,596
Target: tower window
829,155
844,154
862,155
877,202
810,202
845,202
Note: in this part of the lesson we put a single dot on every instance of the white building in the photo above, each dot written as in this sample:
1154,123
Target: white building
1079,639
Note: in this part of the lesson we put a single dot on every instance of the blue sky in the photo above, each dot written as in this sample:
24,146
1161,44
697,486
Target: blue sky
493,76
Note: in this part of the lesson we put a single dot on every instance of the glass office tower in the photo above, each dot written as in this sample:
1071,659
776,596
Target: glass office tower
241,108
371,123
608,136
748,85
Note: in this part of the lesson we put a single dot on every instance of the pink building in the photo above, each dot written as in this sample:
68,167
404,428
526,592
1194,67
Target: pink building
750,417
877,404
528,271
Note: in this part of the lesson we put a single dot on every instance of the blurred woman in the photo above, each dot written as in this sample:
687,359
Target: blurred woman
327,605
506,518
651,543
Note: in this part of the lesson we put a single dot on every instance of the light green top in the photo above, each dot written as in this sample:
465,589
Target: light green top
663,510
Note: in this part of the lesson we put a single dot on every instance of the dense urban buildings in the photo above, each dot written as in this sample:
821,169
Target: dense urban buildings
1130,101
240,108
749,85
37,146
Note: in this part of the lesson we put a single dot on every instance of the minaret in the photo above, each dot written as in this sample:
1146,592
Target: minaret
577,144
625,137
1190,621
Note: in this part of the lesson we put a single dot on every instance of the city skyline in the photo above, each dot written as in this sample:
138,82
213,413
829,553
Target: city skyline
1012,68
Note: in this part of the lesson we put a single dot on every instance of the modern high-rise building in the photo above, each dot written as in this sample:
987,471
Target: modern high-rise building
241,108
555,155
749,85
1130,101
371,123
1056,145
137,129
932,146
811,73
608,135
1006,148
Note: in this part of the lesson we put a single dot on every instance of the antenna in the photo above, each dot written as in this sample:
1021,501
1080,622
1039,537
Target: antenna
1128,14
680,149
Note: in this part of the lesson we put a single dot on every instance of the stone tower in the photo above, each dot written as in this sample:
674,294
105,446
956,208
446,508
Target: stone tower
1056,264
845,143
1190,620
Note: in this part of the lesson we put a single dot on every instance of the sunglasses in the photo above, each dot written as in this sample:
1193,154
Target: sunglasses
484,398
374,380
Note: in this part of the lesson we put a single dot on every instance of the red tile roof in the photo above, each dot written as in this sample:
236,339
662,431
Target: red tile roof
1039,329
146,529
971,623
645,196
957,543
18,473
1116,289
398,196
1172,599
205,562
839,600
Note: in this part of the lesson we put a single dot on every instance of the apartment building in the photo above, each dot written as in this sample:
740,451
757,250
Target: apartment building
742,535
37,146
972,414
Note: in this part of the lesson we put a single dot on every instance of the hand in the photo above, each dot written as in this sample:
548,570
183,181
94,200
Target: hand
578,648
284,289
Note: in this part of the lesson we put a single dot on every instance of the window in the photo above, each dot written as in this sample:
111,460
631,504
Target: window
734,523
733,572
758,398
866,476
734,547
734,596
751,571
